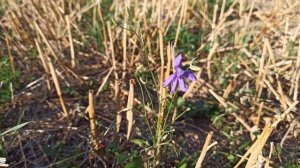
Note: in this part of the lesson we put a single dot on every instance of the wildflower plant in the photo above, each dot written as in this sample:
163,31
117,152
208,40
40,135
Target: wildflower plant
179,76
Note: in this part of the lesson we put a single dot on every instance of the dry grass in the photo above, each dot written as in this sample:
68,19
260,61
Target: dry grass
247,54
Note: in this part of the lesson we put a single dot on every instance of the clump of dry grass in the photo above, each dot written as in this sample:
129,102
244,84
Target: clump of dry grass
248,53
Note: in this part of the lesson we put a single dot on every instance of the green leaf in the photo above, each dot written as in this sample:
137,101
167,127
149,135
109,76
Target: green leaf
136,162
231,157
140,142
121,158
183,163
14,129
180,102
112,148
244,146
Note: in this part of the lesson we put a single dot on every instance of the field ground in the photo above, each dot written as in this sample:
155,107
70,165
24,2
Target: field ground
81,83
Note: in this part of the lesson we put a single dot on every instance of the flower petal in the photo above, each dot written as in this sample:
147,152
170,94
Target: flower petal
169,80
177,61
179,72
174,85
190,75
182,85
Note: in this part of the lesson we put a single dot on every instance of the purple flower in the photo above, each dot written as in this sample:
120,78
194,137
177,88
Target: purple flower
179,76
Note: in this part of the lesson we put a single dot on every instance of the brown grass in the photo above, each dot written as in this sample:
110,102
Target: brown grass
249,57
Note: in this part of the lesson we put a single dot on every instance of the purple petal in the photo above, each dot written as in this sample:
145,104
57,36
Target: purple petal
177,61
169,80
182,85
179,71
174,85
190,75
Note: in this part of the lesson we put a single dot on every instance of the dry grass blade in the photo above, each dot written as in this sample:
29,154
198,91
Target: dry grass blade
147,108
58,90
204,150
104,81
249,151
267,164
259,146
112,50
244,123
37,27
219,98
124,39
296,76
283,115
44,60
290,129
259,113
182,13
92,120
192,85
73,62
117,86
261,73
129,114
209,58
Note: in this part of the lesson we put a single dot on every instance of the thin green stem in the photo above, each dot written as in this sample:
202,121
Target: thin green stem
145,113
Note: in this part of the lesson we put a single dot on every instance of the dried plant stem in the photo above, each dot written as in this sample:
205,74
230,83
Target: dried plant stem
222,9
261,74
161,79
251,149
219,98
267,164
259,113
258,145
104,81
124,39
92,119
129,114
161,53
186,3
147,108
290,129
243,122
214,21
73,62
297,74
103,28
43,59
204,150
58,91
192,85
183,7
242,7
11,91
112,51
37,27
209,58
162,92
117,86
